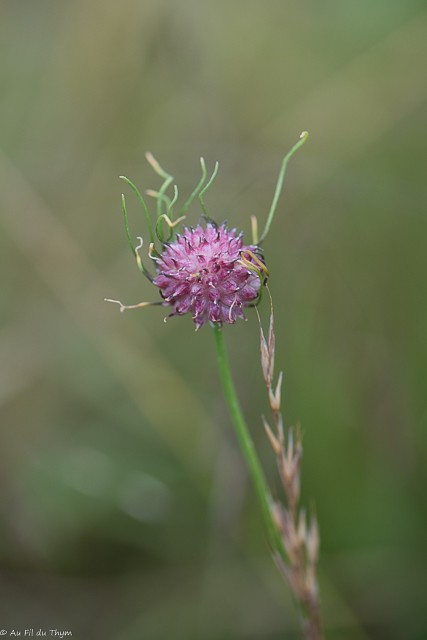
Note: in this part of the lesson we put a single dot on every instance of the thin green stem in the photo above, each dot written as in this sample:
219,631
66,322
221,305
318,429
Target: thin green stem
196,191
143,205
245,441
279,185
205,188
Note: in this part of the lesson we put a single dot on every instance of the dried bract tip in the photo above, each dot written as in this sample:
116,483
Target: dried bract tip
275,443
277,512
156,165
265,358
290,447
254,228
313,541
124,307
302,526
275,396
271,338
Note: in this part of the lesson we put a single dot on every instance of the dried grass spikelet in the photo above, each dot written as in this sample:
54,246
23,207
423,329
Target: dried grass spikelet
300,538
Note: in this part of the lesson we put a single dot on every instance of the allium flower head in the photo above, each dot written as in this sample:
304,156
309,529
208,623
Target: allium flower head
210,273
207,270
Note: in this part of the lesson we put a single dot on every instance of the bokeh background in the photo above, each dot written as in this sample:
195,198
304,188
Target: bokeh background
126,511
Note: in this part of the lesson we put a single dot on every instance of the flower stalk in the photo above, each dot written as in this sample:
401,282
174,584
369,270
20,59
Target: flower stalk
246,443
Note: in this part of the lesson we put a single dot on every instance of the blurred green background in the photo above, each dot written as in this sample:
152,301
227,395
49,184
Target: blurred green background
125,508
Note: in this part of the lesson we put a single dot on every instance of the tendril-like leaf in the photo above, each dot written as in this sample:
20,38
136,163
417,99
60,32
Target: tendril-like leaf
206,187
279,185
168,179
134,249
159,227
197,190
143,205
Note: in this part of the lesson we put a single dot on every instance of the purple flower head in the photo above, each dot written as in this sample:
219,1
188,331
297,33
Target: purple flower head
209,273
206,271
